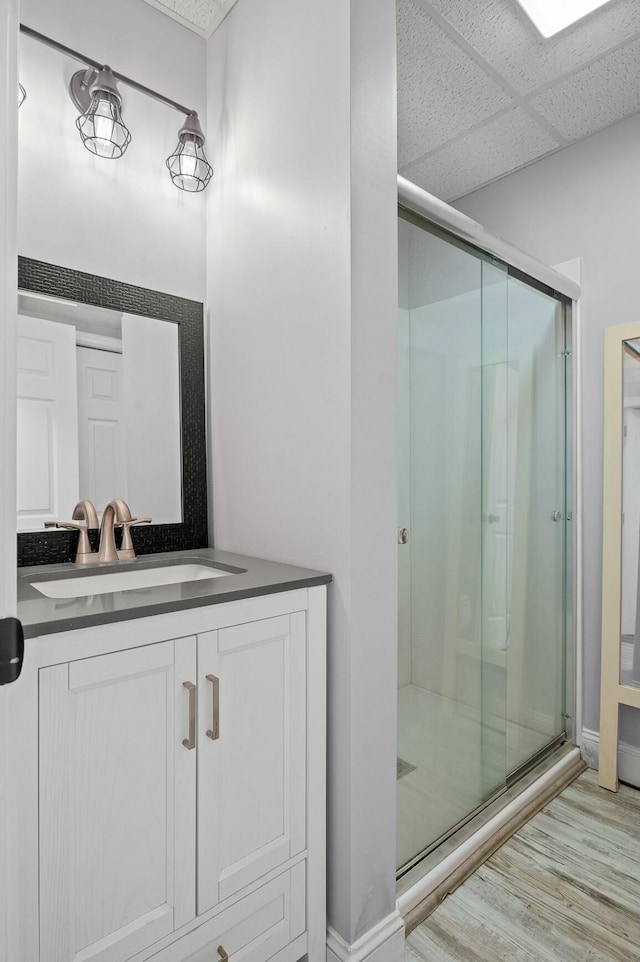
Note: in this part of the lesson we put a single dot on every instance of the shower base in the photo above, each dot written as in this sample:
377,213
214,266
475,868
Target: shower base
422,887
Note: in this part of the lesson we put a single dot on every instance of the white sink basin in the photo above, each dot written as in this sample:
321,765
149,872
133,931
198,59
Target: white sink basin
100,584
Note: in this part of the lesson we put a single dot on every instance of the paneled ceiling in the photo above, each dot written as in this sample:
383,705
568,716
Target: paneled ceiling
202,16
481,93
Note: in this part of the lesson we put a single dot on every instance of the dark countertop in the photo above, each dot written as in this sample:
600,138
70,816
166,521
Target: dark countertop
250,577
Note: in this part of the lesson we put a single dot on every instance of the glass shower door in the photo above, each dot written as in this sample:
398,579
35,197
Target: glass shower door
453,618
482,531
538,567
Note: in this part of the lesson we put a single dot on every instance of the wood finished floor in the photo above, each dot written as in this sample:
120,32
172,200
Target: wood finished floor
565,888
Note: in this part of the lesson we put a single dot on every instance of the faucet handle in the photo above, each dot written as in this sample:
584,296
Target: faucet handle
127,552
84,552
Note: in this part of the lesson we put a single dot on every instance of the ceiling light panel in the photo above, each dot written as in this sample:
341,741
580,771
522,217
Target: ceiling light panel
504,37
552,16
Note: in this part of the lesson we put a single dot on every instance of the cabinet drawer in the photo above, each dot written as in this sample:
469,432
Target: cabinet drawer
253,929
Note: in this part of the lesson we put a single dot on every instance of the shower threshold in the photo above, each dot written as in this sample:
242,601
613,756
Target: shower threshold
436,872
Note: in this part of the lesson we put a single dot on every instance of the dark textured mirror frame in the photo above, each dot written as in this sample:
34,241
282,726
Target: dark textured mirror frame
53,547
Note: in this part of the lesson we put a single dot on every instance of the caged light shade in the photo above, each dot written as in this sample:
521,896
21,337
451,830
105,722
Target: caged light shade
189,168
101,126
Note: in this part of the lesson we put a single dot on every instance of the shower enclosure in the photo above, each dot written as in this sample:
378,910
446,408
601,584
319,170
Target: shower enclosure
484,529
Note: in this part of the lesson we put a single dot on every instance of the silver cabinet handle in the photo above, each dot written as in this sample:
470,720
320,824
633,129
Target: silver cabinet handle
190,742
403,536
214,732
556,516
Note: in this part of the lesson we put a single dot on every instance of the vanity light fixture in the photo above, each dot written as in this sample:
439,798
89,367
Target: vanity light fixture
94,91
101,126
22,95
189,168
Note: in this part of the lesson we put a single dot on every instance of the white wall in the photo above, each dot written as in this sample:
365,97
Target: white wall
302,296
119,218
582,202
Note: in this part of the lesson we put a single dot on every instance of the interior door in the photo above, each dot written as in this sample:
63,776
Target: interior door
47,422
117,802
100,429
251,752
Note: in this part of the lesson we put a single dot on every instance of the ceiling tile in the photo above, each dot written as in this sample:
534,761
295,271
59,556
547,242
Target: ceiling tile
500,146
501,33
441,90
202,16
598,95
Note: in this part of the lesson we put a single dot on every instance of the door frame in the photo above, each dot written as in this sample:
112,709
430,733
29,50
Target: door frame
572,269
613,691
9,24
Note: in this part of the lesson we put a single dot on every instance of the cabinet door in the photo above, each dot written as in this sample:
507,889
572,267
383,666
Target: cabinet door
117,802
251,752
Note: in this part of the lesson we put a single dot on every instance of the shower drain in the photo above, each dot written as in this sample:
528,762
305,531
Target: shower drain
403,768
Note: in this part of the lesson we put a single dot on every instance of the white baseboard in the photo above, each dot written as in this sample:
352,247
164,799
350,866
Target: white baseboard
628,757
383,943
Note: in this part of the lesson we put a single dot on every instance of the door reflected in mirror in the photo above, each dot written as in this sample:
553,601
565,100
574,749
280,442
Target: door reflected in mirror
630,586
99,411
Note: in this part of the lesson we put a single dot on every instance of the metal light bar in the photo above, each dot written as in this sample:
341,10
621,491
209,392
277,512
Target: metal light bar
421,202
81,58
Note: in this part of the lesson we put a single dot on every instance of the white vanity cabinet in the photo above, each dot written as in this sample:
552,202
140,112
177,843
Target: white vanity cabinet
172,804
116,802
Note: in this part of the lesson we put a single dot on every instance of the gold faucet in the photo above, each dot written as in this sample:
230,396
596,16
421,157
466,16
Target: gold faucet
85,512
117,513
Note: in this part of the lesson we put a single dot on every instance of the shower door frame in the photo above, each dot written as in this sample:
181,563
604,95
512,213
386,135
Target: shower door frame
415,200
459,227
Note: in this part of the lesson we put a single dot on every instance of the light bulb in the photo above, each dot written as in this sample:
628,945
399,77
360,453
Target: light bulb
189,168
101,126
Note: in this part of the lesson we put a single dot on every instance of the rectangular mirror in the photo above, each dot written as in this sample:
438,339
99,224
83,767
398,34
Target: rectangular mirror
96,419
110,404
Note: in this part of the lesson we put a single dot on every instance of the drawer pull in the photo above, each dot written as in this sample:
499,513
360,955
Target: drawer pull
214,732
221,952
190,742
